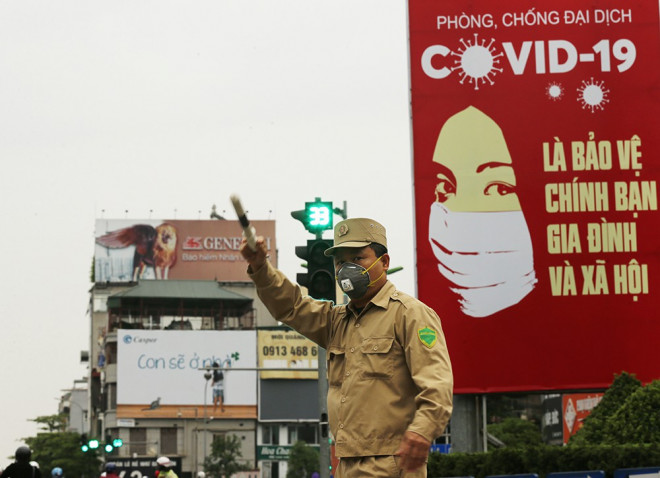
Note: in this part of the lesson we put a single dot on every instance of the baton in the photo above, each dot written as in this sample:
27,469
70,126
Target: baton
248,231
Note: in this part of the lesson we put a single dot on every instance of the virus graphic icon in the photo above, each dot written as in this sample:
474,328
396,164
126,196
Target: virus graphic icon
554,91
593,95
477,62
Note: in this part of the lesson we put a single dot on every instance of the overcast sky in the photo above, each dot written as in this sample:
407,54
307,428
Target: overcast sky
138,109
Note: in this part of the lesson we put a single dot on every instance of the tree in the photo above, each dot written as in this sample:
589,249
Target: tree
303,461
54,447
516,432
52,423
223,460
593,427
637,421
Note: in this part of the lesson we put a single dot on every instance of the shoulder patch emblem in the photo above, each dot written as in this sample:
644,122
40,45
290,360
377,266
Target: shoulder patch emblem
427,336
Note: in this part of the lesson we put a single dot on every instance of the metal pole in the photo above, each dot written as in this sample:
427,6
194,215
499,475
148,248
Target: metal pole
193,436
263,369
324,445
207,377
196,448
484,422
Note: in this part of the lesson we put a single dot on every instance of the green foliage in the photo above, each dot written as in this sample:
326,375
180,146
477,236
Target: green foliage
52,423
622,431
56,448
223,460
516,432
638,419
456,464
543,460
595,426
303,461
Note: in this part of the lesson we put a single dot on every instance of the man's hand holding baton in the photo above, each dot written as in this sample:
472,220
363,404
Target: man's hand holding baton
252,248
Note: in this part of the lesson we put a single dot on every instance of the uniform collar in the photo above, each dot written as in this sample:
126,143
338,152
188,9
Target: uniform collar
381,299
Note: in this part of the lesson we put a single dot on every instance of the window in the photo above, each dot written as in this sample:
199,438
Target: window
306,432
138,441
270,434
168,441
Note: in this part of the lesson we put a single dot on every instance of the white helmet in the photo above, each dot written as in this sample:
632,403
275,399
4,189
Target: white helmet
164,461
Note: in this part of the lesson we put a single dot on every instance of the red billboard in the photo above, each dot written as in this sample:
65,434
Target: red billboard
129,250
575,408
535,140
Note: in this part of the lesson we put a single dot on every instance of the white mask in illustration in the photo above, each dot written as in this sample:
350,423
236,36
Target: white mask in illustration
487,256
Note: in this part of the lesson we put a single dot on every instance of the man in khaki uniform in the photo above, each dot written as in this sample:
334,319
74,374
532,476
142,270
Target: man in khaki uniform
389,374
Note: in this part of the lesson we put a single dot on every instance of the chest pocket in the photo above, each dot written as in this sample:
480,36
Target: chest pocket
336,364
377,355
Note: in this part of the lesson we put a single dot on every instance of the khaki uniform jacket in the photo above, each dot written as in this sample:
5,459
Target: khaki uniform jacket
382,378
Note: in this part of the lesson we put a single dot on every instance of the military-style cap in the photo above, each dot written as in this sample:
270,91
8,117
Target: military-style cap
357,232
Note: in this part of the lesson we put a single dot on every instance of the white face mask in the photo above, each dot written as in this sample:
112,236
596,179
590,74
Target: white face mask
486,255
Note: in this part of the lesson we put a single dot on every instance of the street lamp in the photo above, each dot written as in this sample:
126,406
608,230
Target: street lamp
207,377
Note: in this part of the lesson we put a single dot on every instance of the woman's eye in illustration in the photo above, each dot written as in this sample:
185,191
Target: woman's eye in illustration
444,189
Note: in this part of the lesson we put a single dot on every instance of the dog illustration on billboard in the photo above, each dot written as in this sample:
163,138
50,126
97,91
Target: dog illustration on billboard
154,247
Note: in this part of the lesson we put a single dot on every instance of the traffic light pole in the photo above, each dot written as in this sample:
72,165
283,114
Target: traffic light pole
324,435
321,285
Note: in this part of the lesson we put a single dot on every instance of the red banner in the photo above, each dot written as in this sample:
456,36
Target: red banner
575,408
535,137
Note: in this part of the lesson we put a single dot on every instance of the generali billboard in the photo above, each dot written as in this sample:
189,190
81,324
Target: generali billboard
129,250
536,153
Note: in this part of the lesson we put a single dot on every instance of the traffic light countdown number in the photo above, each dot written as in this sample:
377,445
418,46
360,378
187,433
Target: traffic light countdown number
319,216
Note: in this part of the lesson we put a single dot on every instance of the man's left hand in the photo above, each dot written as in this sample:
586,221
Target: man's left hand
413,451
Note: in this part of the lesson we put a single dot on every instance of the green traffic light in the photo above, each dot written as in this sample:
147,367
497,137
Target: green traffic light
93,444
316,217
108,448
117,442
84,448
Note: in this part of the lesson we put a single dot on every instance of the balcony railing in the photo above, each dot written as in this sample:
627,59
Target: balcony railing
246,321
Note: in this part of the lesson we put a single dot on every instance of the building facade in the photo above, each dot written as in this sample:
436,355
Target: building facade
156,341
